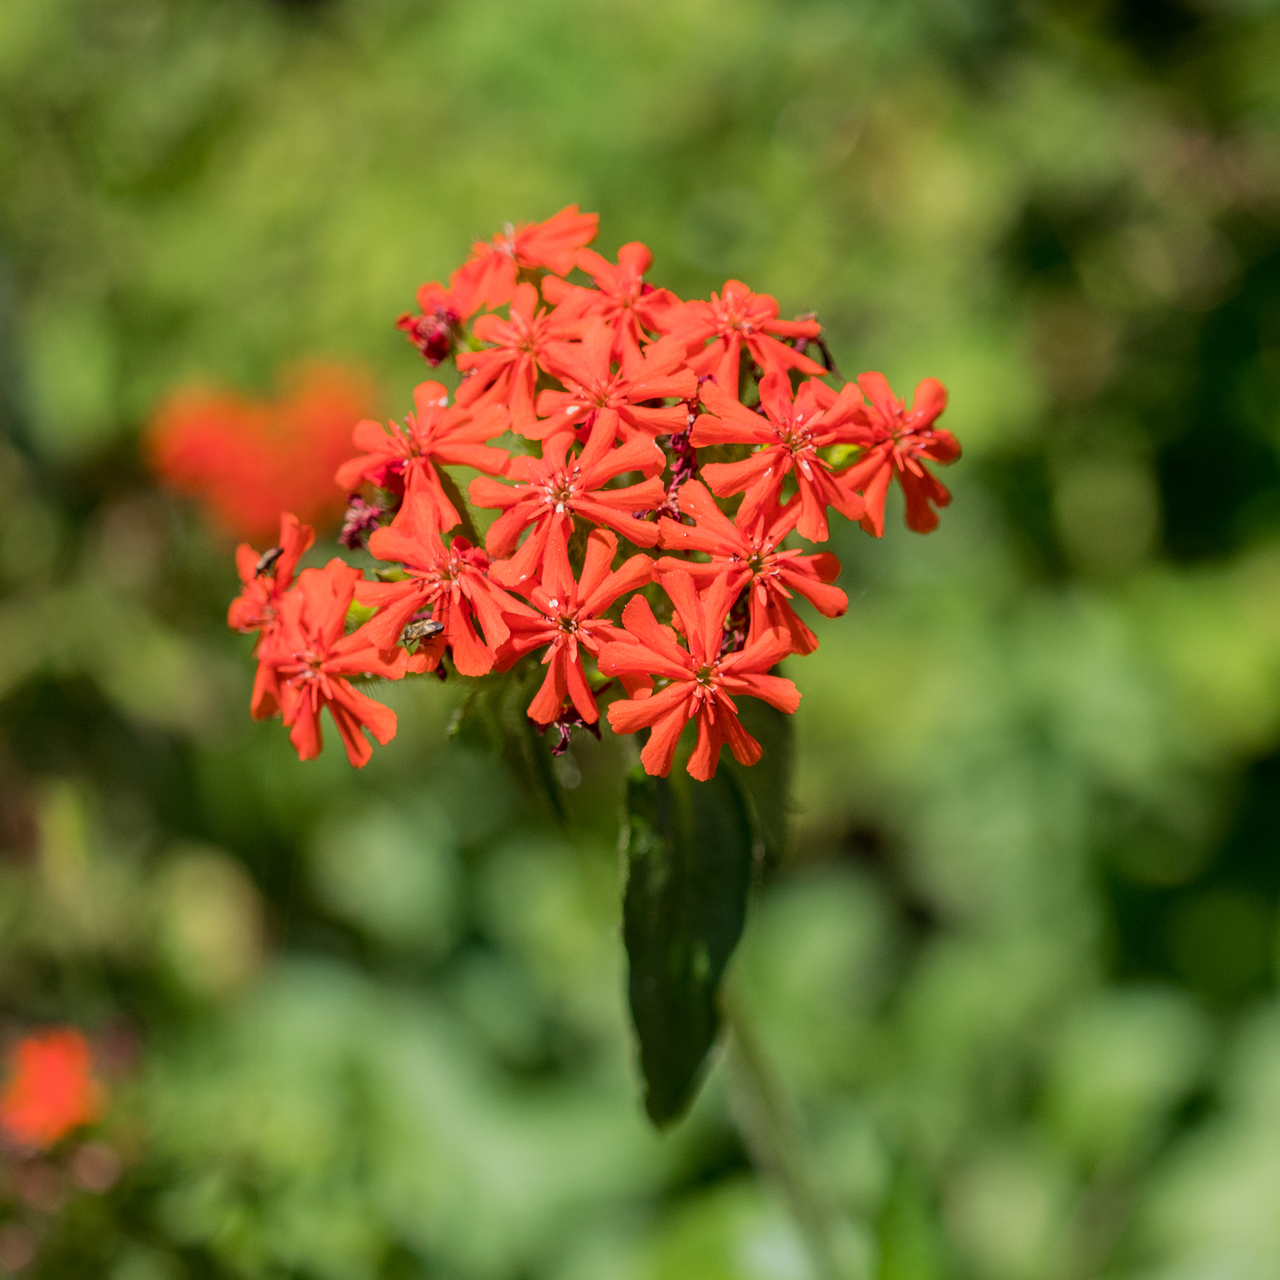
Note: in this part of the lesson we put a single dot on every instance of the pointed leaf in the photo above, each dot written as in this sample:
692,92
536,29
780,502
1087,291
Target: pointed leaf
689,859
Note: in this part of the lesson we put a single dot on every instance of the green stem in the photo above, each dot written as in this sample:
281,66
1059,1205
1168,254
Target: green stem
771,1131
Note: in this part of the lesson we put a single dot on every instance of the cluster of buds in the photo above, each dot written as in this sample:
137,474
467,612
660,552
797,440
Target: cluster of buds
630,422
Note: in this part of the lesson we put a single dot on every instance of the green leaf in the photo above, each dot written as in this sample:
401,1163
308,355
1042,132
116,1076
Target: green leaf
689,849
357,616
461,505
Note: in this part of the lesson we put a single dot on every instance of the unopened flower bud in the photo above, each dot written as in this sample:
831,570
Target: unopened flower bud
361,519
432,333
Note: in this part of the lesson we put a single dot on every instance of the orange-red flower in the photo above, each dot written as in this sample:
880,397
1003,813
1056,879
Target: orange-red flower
788,436
257,608
616,402
247,460
404,459
551,490
735,319
495,265
897,441
621,301
312,660
751,556
599,375
267,576
507,371
452,582
568,622
51,1090
702,679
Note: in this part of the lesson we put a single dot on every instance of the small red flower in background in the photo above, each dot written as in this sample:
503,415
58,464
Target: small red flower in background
897,440
702,679
51,1090
246,460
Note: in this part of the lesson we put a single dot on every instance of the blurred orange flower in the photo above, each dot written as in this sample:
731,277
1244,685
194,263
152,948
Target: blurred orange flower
51,1090
246,460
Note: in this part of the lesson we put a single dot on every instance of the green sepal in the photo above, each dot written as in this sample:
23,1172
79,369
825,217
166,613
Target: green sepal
357,616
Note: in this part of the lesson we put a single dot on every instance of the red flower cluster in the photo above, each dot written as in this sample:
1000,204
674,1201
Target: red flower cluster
602,395
306,660
51,1089
248,460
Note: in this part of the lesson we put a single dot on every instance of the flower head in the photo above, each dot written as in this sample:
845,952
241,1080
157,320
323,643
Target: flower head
552,490
404,459
621,302
624,386
311,661
51,1089
701,680
788,436
897,442
750,556
566,618
495,265
738,318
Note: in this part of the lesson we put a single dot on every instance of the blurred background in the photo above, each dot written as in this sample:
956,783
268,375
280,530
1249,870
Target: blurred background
1018,977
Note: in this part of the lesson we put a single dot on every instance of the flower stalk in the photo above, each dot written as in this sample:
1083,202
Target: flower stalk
773,1136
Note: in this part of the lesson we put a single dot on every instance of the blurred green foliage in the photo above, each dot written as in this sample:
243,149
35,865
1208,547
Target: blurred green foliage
1017,977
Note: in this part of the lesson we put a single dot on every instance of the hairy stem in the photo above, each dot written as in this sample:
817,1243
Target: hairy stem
771,1131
